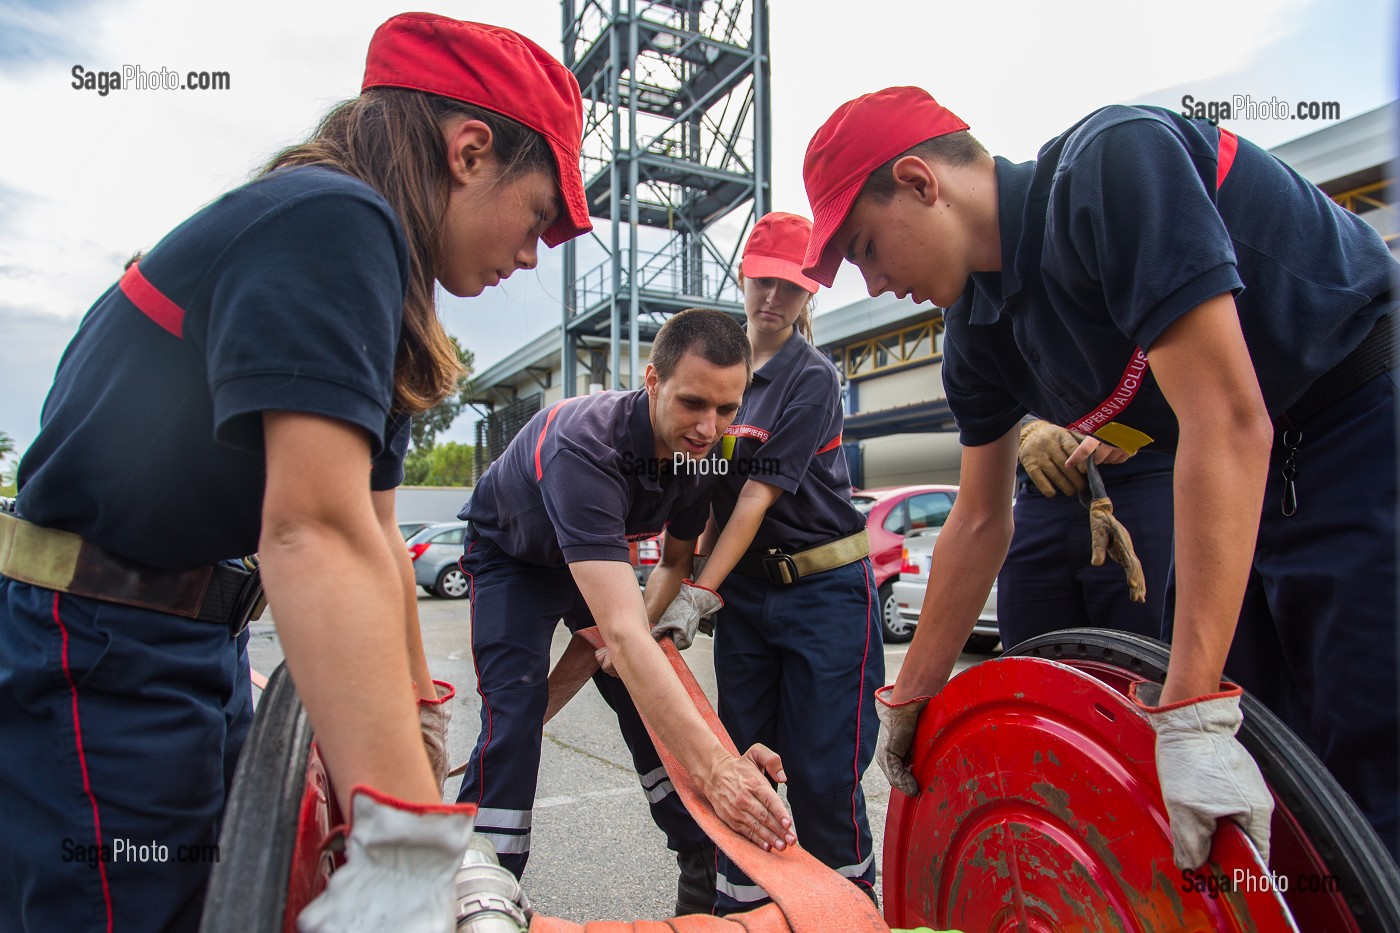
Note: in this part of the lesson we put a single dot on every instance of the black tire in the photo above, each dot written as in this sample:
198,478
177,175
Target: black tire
982,644
248,888
1351,850
451,583
896,630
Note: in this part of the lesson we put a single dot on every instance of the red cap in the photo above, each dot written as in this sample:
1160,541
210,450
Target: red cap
775,250
862,135
498,70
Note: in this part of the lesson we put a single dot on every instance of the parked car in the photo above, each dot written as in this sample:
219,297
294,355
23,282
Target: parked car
890,514
645,555
909,591
409,529
435,551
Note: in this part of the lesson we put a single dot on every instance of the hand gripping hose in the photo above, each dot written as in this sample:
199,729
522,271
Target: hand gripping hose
807,896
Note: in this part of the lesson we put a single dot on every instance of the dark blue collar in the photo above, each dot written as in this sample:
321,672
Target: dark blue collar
784,358
1014,204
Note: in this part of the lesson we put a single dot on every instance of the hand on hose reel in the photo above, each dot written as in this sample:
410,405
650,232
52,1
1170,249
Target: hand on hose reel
898,722
433,717
400,860
1205,773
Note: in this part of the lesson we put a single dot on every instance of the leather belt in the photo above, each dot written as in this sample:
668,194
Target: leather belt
59,560
782,569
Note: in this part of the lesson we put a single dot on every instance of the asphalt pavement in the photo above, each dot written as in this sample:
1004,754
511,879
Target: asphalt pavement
596,855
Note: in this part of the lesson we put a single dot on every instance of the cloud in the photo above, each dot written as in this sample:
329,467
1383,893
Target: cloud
85,180
30,347
32,32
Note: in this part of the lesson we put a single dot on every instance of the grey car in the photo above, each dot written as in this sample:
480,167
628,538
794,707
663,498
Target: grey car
435,551
913,581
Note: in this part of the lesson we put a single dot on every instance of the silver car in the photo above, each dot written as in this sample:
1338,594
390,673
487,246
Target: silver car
913,581
435,551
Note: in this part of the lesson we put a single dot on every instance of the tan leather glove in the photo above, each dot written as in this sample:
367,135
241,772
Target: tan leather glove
1044,449
433,717
1110,538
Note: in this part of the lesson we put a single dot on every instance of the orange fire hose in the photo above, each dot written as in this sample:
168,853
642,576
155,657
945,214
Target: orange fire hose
807,896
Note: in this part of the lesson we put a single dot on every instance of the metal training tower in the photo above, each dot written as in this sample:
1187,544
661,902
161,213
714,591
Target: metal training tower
676,145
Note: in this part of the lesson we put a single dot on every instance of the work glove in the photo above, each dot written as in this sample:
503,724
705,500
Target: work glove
1044,449
897,724
399,864
433,717
707,624
681,619
1205,772
1110,538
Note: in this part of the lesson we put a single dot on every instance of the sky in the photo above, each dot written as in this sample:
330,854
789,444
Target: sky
88,179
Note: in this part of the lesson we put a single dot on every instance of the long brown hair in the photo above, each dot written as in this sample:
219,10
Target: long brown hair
391,139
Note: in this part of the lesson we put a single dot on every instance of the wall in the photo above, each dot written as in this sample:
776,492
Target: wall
430,503
906,459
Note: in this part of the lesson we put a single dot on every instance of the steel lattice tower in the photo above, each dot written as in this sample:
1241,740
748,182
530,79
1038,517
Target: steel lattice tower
676,166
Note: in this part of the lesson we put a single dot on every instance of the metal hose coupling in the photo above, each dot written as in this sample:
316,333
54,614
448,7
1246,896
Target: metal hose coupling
489,897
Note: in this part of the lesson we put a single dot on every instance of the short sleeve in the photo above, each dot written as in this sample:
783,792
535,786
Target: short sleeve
386,471
982,405
587,504
1130,212
304,316
808,422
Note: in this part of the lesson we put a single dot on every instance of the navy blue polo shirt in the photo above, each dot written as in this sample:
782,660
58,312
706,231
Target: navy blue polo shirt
286,294
581,479
788,434
1119,229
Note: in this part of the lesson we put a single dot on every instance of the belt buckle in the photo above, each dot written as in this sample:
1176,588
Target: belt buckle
250,603
780,569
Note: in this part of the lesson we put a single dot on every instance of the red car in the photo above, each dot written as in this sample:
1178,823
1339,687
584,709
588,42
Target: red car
892,512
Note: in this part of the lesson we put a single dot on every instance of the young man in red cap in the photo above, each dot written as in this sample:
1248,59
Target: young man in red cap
1125,285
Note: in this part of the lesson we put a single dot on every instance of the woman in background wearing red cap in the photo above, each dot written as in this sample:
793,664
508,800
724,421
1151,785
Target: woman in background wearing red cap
789,579
247,387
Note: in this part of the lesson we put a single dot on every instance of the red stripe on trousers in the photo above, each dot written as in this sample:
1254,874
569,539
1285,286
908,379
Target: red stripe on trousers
82,762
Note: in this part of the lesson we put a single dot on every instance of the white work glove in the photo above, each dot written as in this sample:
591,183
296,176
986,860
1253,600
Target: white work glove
399,865
692,605
433,717
897,724
1205,772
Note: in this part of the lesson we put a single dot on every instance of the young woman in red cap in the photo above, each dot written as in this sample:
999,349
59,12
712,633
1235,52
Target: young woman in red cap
1162,284
246,387
789,578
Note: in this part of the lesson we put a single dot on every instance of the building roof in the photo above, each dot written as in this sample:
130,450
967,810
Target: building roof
1347,153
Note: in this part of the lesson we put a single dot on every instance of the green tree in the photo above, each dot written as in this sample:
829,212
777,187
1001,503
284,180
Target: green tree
8,471
429,424
446,464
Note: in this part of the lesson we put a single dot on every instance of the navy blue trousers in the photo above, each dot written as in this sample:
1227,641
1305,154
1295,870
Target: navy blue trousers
120,730
797,668
1317,637
1047,582
515,609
